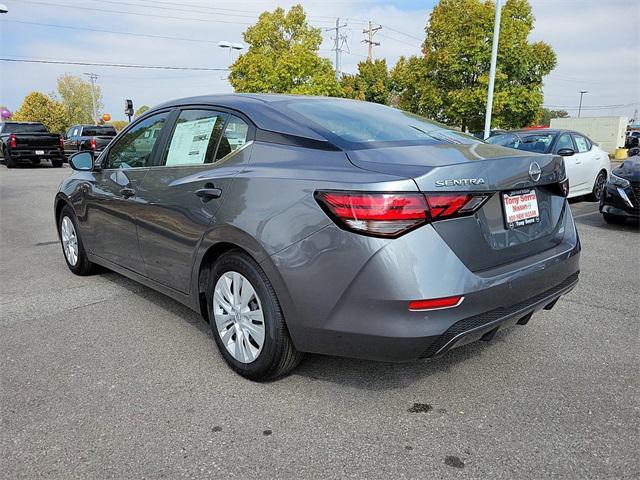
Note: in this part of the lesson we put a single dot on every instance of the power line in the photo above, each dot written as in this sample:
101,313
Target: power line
402,33
400,41
117,65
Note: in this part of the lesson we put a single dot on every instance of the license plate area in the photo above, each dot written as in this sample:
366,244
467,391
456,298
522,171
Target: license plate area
39,152
520,208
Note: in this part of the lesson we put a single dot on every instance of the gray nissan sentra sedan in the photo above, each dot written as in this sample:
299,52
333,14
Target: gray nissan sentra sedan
307,224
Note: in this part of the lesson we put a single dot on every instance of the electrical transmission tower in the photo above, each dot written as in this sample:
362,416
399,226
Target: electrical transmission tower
369,40
92,78
340,44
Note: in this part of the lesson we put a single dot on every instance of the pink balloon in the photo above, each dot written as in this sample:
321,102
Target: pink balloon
5,113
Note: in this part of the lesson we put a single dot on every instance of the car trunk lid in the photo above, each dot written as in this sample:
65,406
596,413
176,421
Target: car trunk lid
482,240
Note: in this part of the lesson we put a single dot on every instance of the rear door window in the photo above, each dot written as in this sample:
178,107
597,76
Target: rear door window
235,136
195,137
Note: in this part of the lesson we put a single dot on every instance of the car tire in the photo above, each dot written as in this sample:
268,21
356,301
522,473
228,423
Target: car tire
598,186
35,162
72,247
11,163
238,325
56,163
614,219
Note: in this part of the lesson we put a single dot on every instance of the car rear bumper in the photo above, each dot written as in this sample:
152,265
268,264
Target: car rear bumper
30,155
356,305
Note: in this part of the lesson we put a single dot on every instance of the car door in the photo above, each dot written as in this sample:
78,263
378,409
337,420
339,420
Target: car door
204,152
111,199
71,140
589,161
572,163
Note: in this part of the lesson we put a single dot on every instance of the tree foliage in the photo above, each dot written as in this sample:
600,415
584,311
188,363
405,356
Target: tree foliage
75,94
141,110
38,107
372,82
546,115
118,124
283,57
449,82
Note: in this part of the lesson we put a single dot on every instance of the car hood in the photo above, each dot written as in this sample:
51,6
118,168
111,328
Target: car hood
630,169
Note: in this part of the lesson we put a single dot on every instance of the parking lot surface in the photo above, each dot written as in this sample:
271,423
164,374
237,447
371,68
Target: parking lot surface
104,378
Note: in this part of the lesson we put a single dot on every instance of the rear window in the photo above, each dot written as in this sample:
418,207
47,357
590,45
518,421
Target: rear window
538,143
24,128
353,124
99,131
506,140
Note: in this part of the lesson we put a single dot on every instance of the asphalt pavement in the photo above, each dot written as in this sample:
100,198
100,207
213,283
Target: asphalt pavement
104,378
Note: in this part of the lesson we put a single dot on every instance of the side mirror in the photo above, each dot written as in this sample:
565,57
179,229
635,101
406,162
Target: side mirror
81,161
566,152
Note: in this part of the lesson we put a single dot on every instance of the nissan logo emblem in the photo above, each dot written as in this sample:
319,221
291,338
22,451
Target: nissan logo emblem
535,171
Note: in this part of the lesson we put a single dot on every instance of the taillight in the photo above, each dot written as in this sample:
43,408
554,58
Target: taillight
382,214
92,143
376,214
449,205
12,141
61,142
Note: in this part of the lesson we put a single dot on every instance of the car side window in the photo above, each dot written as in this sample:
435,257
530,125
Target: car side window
582,144
134,148
234,137
564,142
195,137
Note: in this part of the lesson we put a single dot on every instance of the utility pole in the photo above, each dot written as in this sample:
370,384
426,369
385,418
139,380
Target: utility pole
581,92
371,31
492,69
92,78
339,41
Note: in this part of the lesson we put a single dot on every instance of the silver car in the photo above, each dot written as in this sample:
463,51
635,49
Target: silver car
304,224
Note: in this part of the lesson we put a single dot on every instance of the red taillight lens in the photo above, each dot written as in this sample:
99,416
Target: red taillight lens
12,141
436,303
376,214
61,143
92,142
448,205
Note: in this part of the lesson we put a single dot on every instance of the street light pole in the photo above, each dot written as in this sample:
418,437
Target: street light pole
231,47
581,92
492,70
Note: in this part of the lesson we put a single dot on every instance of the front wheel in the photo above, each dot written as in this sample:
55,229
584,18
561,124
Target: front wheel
72,247
247,321
614,219
598,187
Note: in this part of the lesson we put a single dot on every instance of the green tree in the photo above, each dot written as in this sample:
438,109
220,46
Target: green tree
141,110
372,82
38,107
546,115
75,94
283,57
449,82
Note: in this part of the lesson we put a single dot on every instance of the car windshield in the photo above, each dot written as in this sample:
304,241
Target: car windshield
354,124
24,128
99,131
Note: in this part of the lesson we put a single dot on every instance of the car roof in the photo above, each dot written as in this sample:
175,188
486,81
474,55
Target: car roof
260,108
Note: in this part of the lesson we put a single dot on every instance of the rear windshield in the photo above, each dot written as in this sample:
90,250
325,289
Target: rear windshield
24,128
99,131
353,124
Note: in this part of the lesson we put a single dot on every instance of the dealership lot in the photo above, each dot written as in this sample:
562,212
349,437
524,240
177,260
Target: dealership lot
104,378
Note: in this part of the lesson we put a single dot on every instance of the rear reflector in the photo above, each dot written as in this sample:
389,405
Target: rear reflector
435,303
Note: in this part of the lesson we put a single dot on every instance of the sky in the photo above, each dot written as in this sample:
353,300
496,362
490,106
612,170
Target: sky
596,41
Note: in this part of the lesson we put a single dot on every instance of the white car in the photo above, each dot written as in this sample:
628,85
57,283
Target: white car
586,164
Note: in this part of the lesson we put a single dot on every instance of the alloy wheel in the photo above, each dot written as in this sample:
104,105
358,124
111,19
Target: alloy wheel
238,315
599,186
69,241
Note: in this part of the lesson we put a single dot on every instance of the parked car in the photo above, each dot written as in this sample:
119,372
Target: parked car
88,137
632,139
29,142
621,195
587,165
328,225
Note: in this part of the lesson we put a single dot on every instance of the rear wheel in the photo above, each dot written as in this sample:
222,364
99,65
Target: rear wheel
72,247
36,161
614,219
598,186
11,163
247,321
56,163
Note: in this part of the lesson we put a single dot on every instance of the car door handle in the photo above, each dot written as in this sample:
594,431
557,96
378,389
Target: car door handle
127,192
209,192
